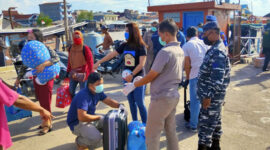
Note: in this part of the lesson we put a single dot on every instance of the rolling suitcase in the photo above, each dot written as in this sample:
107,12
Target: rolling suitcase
115,130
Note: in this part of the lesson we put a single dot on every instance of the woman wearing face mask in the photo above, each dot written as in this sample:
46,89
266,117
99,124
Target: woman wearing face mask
80,63
43,92
134,51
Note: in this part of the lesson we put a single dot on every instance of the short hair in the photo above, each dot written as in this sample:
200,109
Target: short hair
94,77
168,25
154,23
192,31
38,34
200,25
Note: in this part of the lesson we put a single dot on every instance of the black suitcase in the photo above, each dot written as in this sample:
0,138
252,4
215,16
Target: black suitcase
115,130
186,106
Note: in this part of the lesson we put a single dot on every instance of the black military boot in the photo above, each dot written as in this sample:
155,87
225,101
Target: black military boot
215,145
203,147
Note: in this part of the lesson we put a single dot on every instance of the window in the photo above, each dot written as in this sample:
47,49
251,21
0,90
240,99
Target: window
175,16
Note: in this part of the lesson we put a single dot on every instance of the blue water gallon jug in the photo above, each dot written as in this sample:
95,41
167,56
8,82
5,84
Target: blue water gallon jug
92,39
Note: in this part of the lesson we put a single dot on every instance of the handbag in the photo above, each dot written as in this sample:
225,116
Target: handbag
78,74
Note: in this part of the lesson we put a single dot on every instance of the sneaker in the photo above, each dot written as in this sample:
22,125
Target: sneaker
194,130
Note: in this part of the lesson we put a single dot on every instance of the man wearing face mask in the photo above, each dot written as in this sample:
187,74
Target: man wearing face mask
158,44
82,119
150,52
213,79
80,63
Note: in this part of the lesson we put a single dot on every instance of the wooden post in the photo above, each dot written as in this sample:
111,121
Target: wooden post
66,23
10,16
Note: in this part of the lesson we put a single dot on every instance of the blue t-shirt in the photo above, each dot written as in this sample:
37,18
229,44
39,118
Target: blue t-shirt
181,38
84,100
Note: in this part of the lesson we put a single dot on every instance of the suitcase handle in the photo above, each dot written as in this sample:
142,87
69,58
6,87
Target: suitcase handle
185,96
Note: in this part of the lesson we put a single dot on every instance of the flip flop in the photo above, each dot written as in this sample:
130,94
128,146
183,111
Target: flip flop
43,131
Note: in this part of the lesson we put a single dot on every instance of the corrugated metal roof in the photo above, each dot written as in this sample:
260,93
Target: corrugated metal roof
46,31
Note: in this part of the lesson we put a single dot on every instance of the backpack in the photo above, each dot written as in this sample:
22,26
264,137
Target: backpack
83,50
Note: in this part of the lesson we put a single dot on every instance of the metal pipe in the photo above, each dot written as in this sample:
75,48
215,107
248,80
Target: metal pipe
10,16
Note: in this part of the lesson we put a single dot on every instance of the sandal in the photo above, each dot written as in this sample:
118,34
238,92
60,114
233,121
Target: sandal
40,127
45,130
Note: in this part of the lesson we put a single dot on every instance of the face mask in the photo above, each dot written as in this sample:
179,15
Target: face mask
99,88
206,41
154,29
77,41
126,35
161,42
200,30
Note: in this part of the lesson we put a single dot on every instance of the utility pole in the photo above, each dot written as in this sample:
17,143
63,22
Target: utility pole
66,23
10,16
148,2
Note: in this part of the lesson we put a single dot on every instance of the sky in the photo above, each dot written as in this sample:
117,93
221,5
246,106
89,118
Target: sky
260,7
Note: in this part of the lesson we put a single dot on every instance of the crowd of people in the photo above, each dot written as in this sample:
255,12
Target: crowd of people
157,59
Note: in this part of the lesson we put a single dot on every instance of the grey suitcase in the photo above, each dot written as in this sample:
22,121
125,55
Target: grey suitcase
115,130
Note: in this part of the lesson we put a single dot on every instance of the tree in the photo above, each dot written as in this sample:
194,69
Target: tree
44,20
85,15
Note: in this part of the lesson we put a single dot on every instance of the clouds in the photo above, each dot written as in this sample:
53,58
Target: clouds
32,6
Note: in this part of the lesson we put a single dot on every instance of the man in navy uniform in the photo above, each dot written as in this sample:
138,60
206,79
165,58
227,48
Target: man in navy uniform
213,79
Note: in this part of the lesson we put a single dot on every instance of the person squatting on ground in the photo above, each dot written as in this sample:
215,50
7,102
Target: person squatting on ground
134,51
165,76
9,97
82,119
80,63
106,49
43,92
194,51
213,79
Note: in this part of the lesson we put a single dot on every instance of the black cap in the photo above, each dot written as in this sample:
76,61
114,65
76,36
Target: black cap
104,27
210,25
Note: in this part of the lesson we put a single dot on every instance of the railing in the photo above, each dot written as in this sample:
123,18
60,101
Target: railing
249,44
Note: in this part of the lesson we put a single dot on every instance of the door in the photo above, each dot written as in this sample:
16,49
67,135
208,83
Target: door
192,18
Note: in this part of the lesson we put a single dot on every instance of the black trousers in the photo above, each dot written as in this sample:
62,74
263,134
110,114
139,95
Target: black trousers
266,60
2,58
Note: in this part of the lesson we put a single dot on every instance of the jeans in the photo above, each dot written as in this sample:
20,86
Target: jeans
194,103
266,61
136,98
73,85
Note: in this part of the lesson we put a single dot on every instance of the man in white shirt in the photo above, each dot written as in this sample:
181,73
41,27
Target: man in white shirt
194,50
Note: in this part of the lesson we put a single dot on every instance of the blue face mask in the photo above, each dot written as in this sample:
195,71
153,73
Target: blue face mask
161,42
126,35
154,29
200,30
99,88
